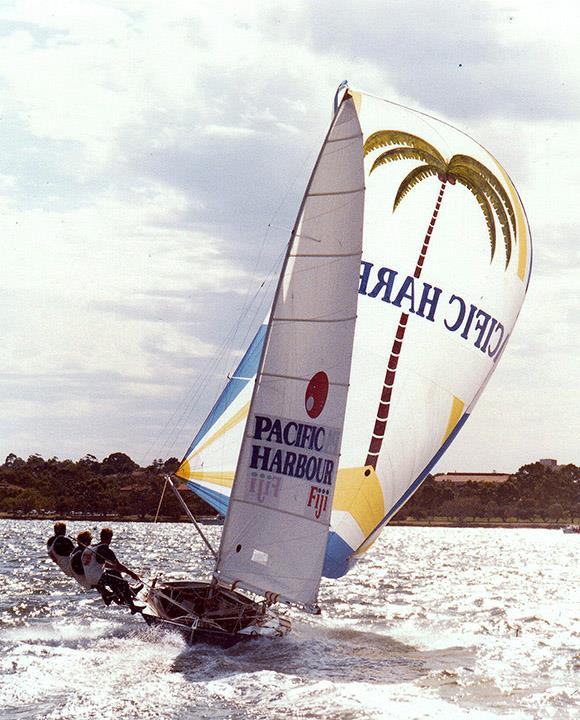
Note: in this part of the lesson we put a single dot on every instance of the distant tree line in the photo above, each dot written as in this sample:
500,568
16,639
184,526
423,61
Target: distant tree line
535,493
114,487
118,487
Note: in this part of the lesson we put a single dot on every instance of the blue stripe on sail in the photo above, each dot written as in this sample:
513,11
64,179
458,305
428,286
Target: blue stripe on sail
336,557
430,465
218,501
245,371
531,249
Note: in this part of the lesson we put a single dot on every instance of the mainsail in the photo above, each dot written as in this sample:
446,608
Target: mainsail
276,528
446,260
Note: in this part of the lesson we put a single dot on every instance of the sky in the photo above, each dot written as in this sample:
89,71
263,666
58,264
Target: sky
153,158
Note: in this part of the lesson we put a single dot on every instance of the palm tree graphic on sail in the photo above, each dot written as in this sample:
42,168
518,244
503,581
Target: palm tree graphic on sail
489,194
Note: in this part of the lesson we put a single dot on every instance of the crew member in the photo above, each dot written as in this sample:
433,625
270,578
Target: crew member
59,547
78,571
101,564
93,567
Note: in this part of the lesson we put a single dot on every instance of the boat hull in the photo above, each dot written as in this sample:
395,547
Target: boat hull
202,612
193,637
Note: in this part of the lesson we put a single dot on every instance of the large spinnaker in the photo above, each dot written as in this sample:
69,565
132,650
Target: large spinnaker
440,369
276,528
445,267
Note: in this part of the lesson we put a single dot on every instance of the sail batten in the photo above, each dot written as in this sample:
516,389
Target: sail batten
322,255
342,139
315,320
287,512
338,192
299,378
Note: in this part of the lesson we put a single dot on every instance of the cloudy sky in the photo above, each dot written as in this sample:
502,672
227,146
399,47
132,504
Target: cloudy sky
153,159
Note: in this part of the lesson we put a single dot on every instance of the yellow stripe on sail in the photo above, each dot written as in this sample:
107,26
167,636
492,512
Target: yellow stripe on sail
521,225
359,493
521,231
366,545
455,414
357,99
238,417
184,471
225,479
454,417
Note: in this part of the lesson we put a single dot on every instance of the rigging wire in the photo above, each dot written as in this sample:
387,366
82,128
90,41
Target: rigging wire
161,499
197,390
174,426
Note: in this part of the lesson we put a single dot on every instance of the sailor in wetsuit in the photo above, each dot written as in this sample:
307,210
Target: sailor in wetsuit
59,547
103,571
76,564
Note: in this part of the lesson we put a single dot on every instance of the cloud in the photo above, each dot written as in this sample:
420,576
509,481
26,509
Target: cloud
461,59
154,160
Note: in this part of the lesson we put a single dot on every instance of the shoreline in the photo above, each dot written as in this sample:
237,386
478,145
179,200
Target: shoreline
216,520
104,519
541,524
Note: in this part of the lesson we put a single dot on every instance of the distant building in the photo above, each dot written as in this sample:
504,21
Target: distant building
549,463
471,477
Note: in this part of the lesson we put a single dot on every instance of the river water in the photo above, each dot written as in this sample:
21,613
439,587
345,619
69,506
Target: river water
432,623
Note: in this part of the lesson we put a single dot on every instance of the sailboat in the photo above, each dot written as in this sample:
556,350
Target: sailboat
403,278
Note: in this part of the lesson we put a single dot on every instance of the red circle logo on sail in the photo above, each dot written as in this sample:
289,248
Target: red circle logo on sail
316,394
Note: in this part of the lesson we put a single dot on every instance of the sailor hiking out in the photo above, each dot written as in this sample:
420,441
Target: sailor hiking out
103,572
59,548
77,568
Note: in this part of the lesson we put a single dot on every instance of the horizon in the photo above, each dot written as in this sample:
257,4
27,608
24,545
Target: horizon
167,459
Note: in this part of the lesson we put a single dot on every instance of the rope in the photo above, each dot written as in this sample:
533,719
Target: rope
161,499
170,435
190,516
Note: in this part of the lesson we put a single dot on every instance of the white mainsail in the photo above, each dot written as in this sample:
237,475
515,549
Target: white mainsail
276,528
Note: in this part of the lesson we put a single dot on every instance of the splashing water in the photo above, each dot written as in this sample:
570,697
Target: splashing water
432,623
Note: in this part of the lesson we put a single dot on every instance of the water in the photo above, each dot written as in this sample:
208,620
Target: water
433,623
